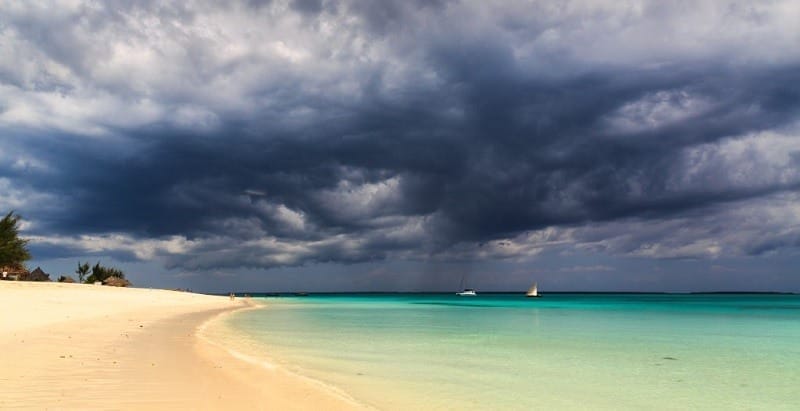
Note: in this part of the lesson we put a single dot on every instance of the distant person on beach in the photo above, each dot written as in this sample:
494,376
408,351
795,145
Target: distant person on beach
233,296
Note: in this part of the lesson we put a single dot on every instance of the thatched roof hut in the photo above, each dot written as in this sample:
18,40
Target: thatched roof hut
36,275
116,282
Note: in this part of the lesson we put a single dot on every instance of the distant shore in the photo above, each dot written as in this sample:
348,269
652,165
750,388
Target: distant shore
75,346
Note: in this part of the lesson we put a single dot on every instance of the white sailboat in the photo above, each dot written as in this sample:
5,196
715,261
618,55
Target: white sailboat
533,291
466,292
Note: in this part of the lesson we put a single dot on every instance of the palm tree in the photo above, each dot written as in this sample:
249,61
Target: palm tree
82,271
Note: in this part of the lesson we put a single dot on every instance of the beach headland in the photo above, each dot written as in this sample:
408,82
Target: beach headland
76,346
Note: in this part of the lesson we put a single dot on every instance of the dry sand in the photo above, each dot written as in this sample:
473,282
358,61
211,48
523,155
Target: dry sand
75,346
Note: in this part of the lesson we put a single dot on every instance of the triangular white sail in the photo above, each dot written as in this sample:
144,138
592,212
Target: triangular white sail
533,291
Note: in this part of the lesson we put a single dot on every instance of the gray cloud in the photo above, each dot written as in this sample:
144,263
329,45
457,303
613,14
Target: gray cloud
413,130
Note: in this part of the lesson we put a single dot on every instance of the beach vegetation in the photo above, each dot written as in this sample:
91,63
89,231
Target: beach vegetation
83,270
13,249
101,273
65,279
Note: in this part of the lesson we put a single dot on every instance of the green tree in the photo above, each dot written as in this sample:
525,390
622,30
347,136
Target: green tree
13,250
82,271
100,273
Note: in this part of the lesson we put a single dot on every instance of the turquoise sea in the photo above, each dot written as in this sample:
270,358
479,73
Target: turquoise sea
562,351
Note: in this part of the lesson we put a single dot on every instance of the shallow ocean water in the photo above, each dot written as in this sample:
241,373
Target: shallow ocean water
562,351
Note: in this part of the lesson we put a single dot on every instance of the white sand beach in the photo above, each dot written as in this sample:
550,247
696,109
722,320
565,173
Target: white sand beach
75,346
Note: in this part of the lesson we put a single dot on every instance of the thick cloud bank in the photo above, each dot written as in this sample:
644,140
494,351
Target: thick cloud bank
275,133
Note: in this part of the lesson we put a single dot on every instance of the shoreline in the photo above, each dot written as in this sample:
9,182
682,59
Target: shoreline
216,349
75,346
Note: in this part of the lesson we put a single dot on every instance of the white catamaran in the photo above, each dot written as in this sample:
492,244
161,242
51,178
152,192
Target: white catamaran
533,291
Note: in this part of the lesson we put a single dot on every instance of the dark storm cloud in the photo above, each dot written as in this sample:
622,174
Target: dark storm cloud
447,136
307,6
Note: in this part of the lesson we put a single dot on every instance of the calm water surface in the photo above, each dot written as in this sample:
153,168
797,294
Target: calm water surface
562,351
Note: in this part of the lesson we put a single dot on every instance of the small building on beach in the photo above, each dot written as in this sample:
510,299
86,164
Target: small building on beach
37,275
18,273
13,273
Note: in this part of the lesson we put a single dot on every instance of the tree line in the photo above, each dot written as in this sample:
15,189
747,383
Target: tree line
90,275
14,253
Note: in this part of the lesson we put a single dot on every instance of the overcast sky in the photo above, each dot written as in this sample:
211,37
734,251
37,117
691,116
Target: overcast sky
398,145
